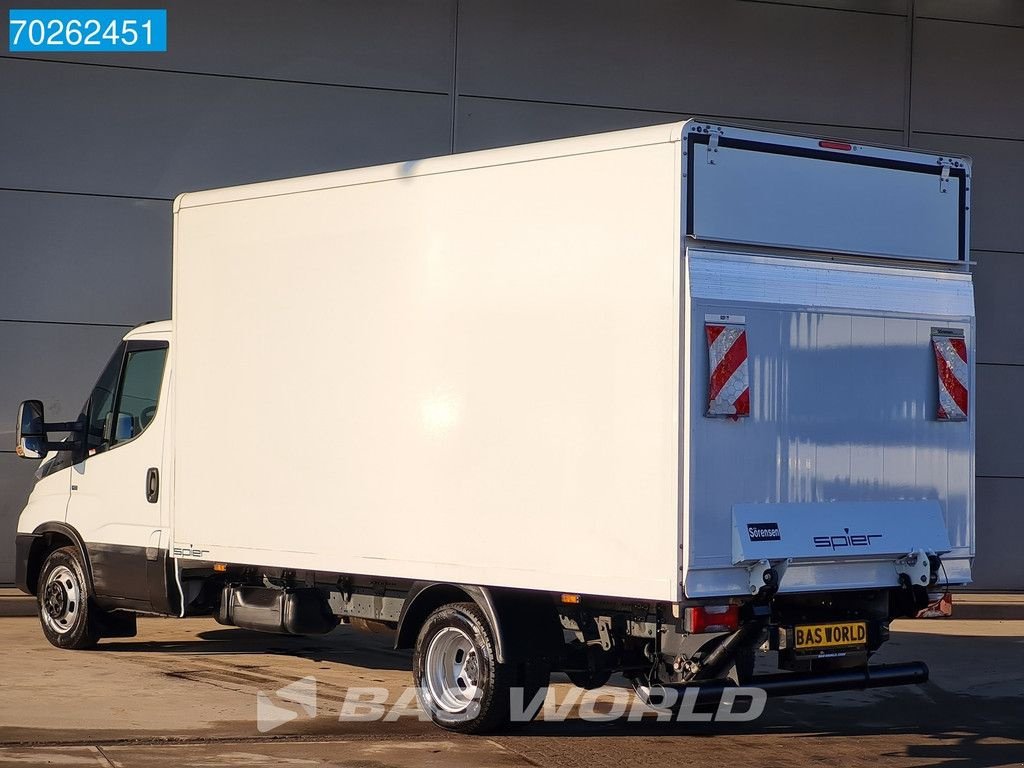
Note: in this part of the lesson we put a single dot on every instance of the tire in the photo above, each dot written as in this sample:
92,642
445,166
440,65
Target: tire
66,612
459,682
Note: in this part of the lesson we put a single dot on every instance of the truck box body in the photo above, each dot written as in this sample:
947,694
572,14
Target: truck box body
441,370
493,368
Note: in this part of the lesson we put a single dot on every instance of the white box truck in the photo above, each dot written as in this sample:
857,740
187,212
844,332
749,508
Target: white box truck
639,402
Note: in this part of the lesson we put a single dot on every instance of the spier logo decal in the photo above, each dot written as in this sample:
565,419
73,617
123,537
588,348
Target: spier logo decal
764,532
189,552
846,539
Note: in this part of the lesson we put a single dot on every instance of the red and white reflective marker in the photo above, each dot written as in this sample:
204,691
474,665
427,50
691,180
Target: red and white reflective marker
729,385
951,365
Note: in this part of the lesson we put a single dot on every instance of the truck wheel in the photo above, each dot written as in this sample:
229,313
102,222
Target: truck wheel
459,681
64,603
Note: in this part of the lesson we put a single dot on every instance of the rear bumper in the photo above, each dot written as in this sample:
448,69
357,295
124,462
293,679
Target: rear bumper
23,549
858,679
799,683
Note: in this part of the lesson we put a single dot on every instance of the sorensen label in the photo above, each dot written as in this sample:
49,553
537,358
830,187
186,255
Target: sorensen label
763,532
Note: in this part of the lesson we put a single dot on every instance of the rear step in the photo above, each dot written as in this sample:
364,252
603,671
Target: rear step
283,611
797,683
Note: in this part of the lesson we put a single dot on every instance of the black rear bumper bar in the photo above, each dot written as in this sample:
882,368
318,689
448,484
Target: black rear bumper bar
797,683
857,679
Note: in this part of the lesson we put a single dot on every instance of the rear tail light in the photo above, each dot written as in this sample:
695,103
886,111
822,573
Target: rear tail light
712,618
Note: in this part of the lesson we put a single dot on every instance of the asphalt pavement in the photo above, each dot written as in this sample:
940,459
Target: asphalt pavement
189,693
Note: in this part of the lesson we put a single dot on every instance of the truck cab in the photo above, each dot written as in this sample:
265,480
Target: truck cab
98,492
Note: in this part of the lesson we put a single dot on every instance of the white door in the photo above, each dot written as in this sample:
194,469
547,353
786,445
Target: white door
115,489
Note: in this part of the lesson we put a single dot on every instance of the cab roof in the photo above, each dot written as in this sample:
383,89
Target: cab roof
156,326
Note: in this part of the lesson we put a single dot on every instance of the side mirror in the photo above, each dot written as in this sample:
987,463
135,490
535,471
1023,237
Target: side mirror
31,430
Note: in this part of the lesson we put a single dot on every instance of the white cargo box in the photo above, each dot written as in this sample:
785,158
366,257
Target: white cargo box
493,368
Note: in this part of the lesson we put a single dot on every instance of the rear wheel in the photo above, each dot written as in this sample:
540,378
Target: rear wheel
65,609
459,681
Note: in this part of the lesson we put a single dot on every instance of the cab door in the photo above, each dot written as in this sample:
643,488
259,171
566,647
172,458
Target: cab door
116,487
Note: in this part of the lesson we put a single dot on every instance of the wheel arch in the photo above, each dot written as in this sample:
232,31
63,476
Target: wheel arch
525,623
426,596
49,537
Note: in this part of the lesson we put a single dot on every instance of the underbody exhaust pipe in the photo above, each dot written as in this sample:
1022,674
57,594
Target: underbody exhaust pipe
797,683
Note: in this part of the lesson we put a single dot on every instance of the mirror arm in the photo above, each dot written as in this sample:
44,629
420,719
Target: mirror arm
62,426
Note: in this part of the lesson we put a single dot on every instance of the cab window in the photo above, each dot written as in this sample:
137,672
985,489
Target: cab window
124,400
101,403
139,392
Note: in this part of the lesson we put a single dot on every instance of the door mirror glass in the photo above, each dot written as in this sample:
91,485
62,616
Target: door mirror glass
125,430
31,431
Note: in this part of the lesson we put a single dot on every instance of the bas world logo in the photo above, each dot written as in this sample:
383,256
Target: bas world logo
602,705
846,539
276,709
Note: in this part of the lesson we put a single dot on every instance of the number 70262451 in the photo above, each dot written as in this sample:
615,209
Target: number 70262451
82,31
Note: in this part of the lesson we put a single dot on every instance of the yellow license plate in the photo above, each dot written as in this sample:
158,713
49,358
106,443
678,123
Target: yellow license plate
830,635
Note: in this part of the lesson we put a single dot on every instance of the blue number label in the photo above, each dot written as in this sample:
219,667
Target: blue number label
83,31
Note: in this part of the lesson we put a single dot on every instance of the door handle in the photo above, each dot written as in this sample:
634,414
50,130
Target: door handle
152,485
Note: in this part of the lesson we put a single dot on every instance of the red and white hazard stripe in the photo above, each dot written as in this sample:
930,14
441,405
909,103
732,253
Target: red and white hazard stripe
729,389
951,364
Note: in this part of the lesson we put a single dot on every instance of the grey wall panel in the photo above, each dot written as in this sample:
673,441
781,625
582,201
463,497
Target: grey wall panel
892,7
402,44
554,70
145,133
998,278
1008,12
997,194
485,122
725,58
76,258
968,79
1000,449
15,484
999,514
57,364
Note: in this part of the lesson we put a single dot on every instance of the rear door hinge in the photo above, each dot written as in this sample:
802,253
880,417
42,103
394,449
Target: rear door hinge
712,148
944,175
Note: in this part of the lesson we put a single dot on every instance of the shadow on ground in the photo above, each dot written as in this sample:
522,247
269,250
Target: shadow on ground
344,645
971,713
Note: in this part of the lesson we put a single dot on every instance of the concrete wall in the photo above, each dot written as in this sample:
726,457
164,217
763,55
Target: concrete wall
95,147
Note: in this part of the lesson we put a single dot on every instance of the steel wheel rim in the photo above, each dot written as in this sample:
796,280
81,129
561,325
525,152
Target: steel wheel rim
61,600
452,670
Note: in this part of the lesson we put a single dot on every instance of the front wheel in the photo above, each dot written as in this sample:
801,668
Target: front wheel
64,603
459,681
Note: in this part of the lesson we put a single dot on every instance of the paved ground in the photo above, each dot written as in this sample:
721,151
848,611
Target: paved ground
184,694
